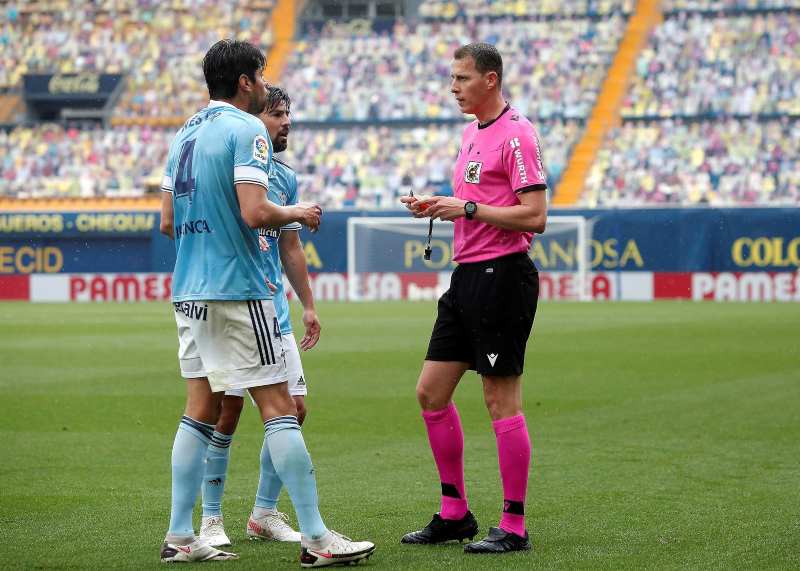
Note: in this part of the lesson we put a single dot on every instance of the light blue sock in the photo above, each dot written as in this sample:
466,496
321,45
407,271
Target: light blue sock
188,455
219,452
269,483
284,444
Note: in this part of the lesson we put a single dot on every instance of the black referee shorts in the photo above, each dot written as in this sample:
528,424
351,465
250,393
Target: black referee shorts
486,316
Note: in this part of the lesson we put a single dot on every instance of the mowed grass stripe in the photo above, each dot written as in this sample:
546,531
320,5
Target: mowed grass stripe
664,437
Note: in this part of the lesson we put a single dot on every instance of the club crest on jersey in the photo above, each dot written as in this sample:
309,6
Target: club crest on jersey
261,149
473,172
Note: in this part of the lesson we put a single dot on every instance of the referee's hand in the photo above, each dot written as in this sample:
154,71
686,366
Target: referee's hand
418,205
445,208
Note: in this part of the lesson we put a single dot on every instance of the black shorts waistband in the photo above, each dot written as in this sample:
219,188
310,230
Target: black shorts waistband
509,258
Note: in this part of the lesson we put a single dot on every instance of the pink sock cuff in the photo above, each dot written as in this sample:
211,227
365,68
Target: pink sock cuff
440,415
508,424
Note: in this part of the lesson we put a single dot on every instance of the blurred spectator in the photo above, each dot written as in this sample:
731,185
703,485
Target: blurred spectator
738,65
727,5
370,168
452,9
364,168
552,68
728,162
50,160
158,44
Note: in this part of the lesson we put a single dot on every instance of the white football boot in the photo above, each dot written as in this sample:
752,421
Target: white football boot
337,550
212,531
197,551
274,526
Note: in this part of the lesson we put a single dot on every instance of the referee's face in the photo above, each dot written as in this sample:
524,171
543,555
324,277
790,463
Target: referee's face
468,85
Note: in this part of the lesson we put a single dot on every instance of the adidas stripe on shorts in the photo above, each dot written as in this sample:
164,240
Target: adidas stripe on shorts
297,379
236,344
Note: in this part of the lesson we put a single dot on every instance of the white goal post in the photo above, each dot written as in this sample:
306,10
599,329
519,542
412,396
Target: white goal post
378,245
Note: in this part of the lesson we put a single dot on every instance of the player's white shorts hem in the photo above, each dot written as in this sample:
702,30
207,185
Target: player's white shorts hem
235,344
294,369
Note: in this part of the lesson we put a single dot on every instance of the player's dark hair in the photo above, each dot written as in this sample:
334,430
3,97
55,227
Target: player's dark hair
485,56
276,96
225,62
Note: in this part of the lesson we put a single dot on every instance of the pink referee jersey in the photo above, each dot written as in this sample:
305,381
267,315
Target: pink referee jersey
496,162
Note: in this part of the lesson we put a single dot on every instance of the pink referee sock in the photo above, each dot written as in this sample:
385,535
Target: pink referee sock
447,443
514,453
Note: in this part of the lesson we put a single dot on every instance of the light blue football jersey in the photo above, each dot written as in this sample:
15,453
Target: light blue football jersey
218,255
282,191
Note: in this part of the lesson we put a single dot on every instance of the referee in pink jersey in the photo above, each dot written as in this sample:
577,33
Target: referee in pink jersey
485,318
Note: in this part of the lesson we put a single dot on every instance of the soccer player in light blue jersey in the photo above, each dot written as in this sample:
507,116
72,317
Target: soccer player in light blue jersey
214,202
280,248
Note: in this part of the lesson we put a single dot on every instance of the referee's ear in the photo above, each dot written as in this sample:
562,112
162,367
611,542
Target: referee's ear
492,80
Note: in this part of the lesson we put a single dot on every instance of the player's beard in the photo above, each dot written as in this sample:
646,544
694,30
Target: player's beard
280,143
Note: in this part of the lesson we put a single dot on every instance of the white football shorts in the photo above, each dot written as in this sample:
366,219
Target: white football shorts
294,368
236,344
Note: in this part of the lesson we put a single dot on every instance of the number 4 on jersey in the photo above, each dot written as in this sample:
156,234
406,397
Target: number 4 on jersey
184,183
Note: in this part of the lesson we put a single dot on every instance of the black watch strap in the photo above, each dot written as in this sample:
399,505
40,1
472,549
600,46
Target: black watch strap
469,209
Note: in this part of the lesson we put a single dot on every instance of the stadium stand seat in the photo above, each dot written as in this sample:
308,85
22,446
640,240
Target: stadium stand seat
158,44
713,113
373,116
454,9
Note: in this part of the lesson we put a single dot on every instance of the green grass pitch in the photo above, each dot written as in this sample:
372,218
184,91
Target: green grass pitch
665,436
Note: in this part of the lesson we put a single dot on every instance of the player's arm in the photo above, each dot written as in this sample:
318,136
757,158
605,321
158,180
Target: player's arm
258,212
293,260
252,155
167,225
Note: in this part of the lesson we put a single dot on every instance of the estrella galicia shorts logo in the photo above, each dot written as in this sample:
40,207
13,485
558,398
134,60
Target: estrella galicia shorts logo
473,172
261,149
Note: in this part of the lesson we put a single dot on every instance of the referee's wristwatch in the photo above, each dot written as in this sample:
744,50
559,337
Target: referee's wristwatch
470,208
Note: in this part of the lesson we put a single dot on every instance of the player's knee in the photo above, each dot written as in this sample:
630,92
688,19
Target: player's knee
300,405
301,414
232,406
207,411
229,417
285,407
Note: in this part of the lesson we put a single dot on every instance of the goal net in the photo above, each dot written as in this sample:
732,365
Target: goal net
391,250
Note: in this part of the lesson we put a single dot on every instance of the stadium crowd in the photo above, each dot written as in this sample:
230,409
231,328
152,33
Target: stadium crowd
364,168
740,65
157,44
455,9
722,163
50,160
721,95
727,5
734,59
556,69
370,168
